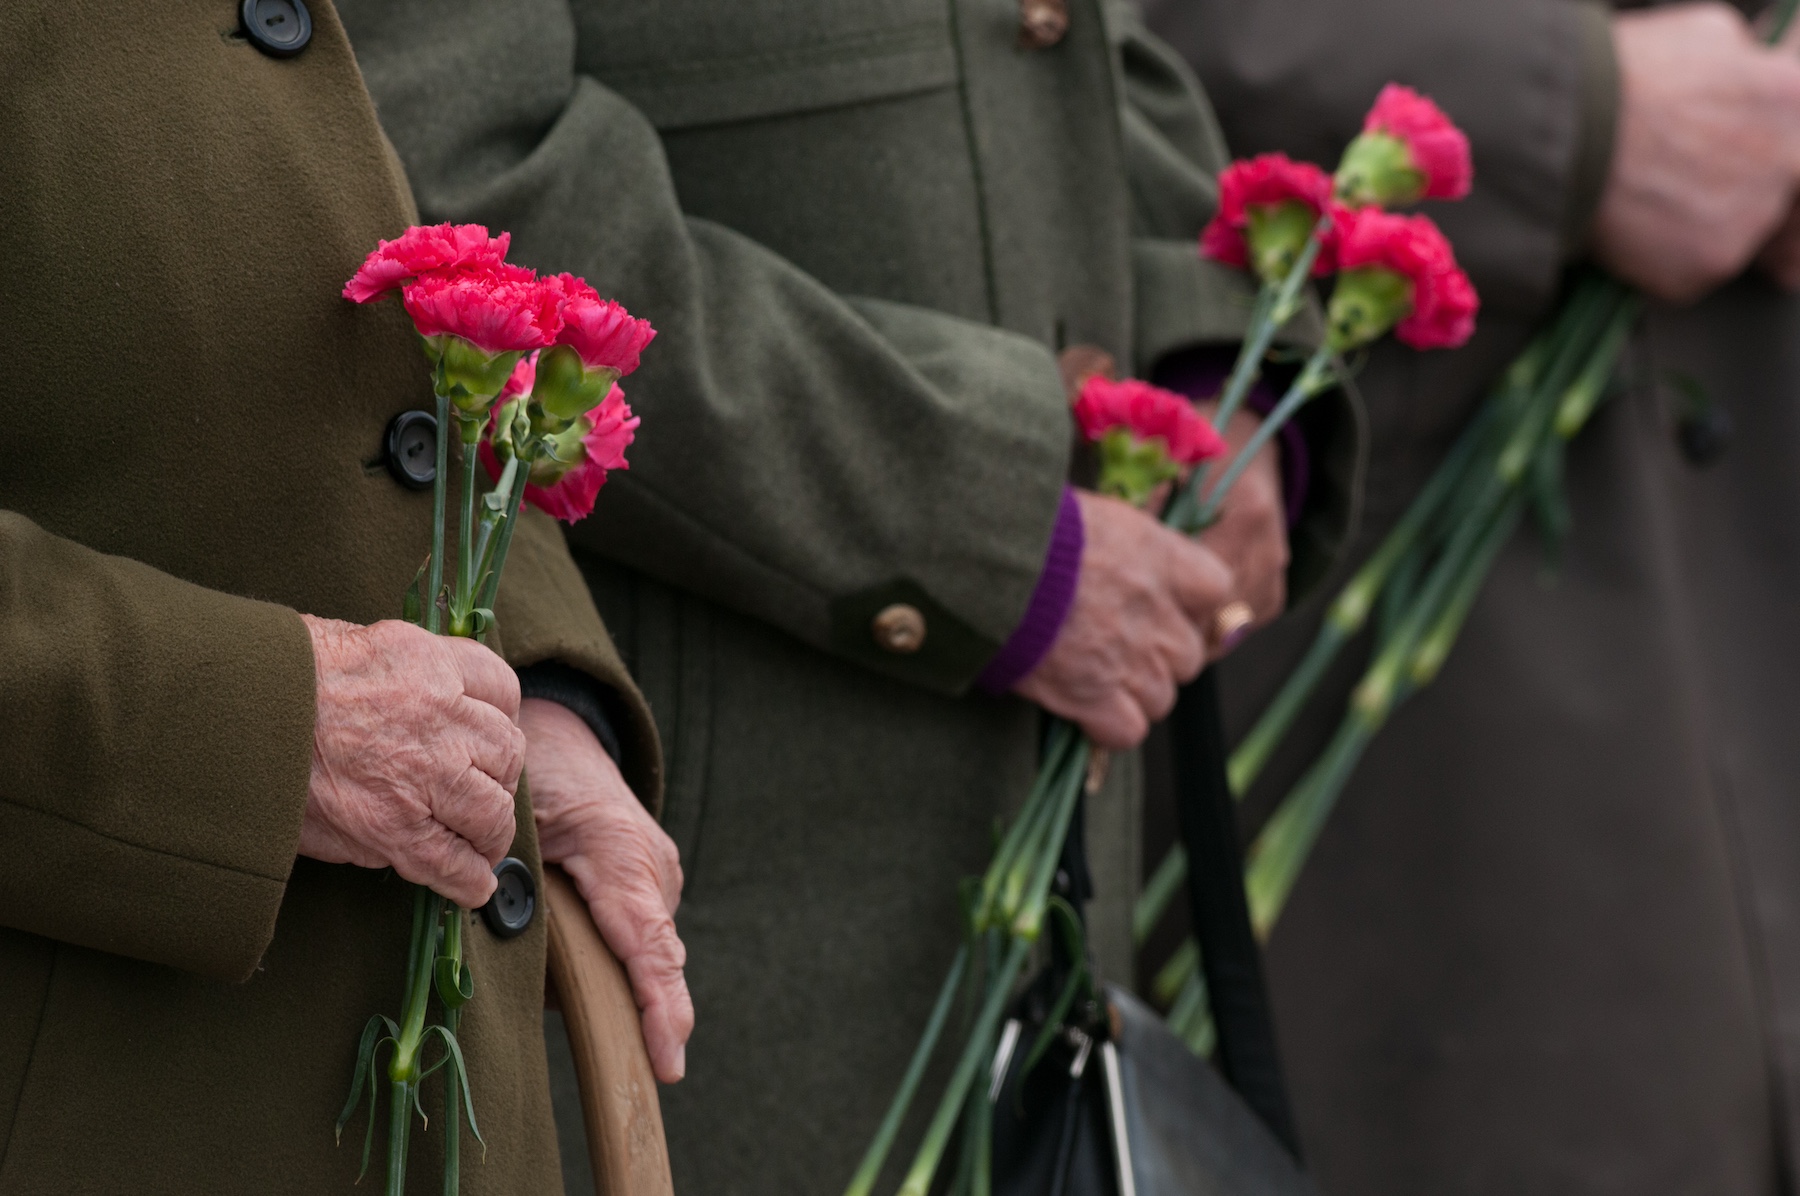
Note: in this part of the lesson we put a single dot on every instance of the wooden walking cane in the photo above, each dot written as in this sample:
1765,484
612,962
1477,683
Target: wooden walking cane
618,1090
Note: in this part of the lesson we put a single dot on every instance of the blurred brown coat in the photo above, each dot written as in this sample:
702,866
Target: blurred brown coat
1550,940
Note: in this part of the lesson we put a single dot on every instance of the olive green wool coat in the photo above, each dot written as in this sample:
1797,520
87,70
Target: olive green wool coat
862,231
195,420
1548,941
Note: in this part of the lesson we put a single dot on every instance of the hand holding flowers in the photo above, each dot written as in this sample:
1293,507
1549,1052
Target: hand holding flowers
550,427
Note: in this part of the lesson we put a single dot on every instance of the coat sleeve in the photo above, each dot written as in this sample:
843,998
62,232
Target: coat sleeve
157,749
1532,82
805,458
1174,151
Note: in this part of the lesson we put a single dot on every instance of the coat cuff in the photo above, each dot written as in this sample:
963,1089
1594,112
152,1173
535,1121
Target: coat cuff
1201,374
1598,124
580,694
1049,605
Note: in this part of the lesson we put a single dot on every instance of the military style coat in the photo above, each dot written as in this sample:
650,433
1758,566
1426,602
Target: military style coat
194,454
1548,940
863,231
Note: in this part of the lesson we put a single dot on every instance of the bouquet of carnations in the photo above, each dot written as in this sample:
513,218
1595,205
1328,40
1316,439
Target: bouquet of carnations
1288,222
527,367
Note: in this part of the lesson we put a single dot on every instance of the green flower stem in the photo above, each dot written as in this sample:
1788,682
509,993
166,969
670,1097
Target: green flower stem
1346,617
493,515
864,1180
405,1063
1349,611
1189,1003
937,1136
1579,401
403,1067
1061,740
1248,366
1161,888
490,589
1029,921
400,1108
463,601
1314,378
434,616
1434,646
1174,975
452,1110
1339,627
1275,857
1275,306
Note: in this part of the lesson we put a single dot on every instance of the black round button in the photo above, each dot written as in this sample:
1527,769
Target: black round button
279,28
1704,433
509,911
411,449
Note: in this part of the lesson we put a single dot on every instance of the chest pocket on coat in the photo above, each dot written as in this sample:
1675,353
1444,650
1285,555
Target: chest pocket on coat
686,63
831,131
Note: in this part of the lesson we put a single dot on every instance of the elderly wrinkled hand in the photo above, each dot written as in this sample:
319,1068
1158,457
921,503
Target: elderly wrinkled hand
1251,534
623,864
1707,160
1144,601
416,756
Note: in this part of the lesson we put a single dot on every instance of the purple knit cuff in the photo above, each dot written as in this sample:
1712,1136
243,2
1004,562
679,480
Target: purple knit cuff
1201,374
1049,605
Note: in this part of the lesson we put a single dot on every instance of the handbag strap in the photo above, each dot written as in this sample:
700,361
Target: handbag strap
1230,957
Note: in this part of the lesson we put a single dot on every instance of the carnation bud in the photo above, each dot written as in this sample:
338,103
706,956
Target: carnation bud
507,429
467,375
1132,469
1378,170
1276,235
559,453
1365,303
566,388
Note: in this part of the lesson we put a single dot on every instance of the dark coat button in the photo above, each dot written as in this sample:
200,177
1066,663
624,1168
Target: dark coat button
509,911
1704,432
411,449
279,28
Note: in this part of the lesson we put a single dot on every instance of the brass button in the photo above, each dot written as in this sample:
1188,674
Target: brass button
900,629
1042,23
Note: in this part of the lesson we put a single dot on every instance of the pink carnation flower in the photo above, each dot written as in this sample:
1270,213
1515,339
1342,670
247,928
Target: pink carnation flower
1440,150
1148,413
421,250
1266,180
504,309
610,429
1444,302
601,332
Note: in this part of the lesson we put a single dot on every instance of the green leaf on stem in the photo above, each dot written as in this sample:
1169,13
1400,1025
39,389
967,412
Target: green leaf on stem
412,607
1174,974
454,981
365,1054
364,1077
459,1074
